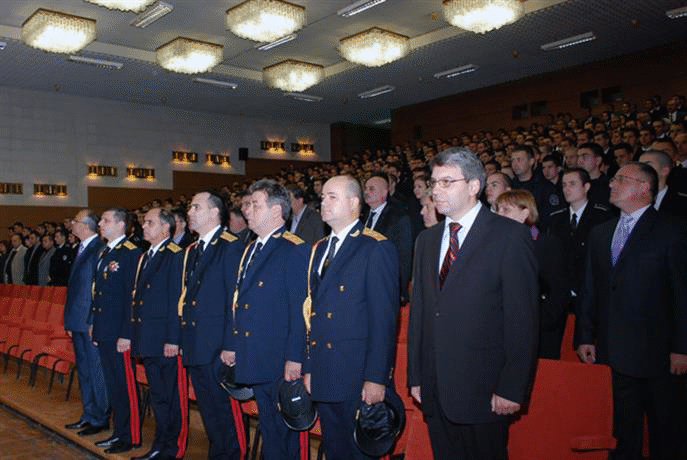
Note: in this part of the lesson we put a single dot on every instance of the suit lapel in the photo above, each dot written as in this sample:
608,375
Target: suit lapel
471,243
640,230
153,264
263,256
435,253
207,254
346,250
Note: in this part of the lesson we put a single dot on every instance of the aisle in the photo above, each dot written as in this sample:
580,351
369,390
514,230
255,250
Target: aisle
22,439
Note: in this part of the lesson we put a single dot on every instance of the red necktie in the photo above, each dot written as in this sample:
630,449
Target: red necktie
451,254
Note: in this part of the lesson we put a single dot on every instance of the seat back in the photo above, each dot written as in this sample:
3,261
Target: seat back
567,350
569,416
59,295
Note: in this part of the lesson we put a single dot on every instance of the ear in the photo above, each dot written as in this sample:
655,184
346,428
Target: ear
587,186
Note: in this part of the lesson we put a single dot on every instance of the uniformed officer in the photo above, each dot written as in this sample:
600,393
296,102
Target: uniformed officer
61,262
210,266
354,286
155,334
112,286
266,335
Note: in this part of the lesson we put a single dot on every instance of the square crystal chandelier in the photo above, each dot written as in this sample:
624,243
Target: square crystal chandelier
184,55
292,75
123,5
57,32
374,47
265,20
481,16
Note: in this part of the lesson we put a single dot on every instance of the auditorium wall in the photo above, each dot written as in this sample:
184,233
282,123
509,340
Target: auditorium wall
661,71
51,138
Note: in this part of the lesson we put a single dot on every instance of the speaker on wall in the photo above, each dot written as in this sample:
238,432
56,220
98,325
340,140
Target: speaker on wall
243,153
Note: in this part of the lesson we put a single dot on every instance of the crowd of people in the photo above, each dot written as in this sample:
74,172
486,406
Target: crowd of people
228,278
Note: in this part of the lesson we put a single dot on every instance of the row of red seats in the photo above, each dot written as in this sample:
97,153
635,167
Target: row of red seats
569,415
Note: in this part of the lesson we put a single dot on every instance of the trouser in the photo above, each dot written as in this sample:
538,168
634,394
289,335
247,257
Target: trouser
96,405
337,421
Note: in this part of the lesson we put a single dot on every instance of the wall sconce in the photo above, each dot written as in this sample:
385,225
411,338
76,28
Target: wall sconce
184,157
305,149
8,188
273,146
140,173
218,159
49,190
95,171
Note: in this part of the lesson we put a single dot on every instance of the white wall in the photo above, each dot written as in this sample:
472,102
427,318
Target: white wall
52,138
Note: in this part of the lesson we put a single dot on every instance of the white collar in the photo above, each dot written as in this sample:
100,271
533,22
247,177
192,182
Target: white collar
88,240
466,221
112,244
208,236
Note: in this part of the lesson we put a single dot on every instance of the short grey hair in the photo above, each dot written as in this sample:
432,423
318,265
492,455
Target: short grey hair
466,160
276,194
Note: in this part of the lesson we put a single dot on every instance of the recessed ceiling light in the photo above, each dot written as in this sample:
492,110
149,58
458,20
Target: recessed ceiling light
457,71
376,92
677,13
152,14
280,41
304,97
358,7
96,62
570,41
220,83
384,121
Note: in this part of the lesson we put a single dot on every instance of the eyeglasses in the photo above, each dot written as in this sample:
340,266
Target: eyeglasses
444,183
621,179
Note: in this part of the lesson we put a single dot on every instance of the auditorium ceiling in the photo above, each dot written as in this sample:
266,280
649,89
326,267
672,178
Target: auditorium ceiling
510,53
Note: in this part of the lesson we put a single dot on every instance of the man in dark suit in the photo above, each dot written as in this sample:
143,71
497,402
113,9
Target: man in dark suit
32,257
155,333
472,338
265,336
391,221
590,158
353,289
14,268
304,222
182,236
113,283
209,279
62,259
668,201
632,316
77,307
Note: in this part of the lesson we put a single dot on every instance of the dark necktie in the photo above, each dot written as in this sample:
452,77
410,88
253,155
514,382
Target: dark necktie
197,251
253,256
370,219
147,257
103,254
573,222
330,255
451,254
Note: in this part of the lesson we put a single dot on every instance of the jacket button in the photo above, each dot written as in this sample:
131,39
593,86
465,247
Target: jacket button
436,314
245,306
329,345
140,302
329,315
236,332
261,283
193,323
247,333
100,309
342,288
313,314
140,319
133,320
313,343
183,323
193,302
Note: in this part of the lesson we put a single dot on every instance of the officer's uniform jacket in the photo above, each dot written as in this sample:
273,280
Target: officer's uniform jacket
207,298
113,283
267,328
154,308
354,313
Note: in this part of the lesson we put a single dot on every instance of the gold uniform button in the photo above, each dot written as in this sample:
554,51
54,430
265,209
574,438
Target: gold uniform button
236,332
261,283
148,285
329,315
133,320
342,288
100,309
313,343
140,319
247,333
313,314
193,323
183,323
193,302
245,306
329,345
140,302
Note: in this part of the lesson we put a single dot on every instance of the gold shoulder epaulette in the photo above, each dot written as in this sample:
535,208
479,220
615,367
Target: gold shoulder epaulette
372,234
228,237
295,239
172,246
129,245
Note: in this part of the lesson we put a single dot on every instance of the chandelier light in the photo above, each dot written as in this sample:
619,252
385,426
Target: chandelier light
57,32
265,20
123,5
292,75
374,47
184,55
481,16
